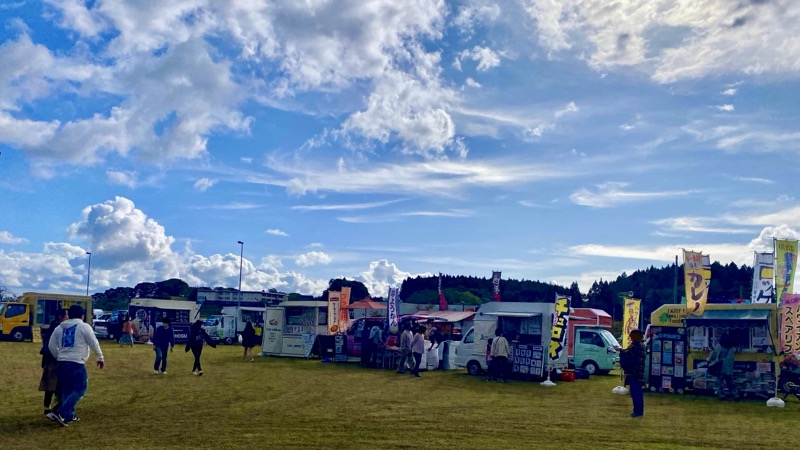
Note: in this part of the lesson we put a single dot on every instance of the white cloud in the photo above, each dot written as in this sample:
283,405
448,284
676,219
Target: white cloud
570,107
755,180
344,207
246,160
8,238
611,194
729,92
276,232
203,184
382,275
123,178
472,16
627,127
484,56
471,83
700,225
726,107
312,259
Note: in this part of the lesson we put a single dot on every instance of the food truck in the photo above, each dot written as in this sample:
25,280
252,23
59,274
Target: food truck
146,314
228,325
680,345
291,328
527,327
590,344
20,319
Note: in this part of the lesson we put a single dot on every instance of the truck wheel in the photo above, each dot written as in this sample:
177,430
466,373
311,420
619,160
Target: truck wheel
474,368
590,367
228,341
18,336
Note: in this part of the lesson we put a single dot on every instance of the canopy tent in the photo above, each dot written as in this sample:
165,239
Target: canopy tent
512,314
366,304
444,316
722,317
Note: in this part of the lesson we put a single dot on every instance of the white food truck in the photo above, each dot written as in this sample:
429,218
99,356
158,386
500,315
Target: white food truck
228,325
291,328
527,327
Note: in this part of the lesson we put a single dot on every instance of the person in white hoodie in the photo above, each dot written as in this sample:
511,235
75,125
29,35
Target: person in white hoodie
70,344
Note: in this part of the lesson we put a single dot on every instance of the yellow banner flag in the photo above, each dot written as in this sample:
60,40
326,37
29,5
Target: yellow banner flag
785,262
696,280
630,319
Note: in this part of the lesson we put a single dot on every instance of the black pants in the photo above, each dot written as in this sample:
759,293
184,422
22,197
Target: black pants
197,352
499,363
417,362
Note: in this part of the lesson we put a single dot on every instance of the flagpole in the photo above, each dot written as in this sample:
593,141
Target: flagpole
776,402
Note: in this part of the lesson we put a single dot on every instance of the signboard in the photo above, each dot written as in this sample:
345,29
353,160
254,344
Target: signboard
790,323
696,286
558,332
273,331
669,316
344,313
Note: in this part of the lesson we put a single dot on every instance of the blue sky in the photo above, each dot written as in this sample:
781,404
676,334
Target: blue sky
560,140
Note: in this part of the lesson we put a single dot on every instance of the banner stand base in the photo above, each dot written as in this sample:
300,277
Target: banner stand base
775,402
547,382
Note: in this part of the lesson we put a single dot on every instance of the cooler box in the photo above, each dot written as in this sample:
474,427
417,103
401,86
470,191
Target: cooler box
581,374
568,375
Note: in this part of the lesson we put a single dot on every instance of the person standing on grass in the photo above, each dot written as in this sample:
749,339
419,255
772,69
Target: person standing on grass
70,344
49,382
489,362
499,355
417,347
375,343
406,355
725,354
248,341
127,332
163,342
632,362
198,337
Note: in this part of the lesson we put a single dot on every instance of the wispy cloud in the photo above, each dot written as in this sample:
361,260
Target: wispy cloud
611,194
123,178
203,184
726,107
700,225
230,206
729,92
276,232
755,180
447,213
345,207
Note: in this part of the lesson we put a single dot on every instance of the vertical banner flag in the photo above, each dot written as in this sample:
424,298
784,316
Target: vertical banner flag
333,311
785,262
630,320
496,286
790,323
763,275
344,312
442,299
558,332
696,284
391,313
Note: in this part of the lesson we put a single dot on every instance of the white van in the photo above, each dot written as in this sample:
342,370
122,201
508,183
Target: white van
526,324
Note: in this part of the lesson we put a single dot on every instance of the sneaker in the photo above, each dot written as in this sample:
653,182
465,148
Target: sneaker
164,372
200,373
74,419
55,417
252,359
636,415
155,372
47,411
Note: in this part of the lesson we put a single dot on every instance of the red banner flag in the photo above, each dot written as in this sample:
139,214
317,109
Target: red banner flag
442,299
496,286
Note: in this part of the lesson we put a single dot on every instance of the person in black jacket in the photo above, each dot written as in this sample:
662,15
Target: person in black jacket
163,341
198,337
248,340
632,362
49,382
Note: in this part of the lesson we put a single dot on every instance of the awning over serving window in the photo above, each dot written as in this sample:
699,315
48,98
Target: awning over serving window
513,314
729,318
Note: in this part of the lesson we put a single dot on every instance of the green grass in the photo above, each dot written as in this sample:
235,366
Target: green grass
292,403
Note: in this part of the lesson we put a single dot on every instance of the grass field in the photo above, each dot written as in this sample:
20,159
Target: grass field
293,403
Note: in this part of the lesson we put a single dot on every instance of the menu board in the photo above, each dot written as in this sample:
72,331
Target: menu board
667,361
753,379
528,360
340,348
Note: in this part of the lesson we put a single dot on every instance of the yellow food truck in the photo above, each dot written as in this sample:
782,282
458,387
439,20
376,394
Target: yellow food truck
32,310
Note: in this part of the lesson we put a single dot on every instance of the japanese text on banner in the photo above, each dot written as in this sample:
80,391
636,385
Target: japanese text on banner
558,333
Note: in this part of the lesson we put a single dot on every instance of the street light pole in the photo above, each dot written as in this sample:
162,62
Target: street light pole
241,255
88,272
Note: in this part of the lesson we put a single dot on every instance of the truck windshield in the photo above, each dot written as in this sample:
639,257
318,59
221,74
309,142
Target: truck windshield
2,308
610,339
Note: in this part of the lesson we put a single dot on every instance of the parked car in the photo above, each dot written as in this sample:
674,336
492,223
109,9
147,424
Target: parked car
110,325
100,326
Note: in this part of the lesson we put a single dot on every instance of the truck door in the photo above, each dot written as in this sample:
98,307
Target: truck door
16,321
590,351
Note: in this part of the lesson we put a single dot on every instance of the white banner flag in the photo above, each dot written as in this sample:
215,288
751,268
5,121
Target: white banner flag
763,276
